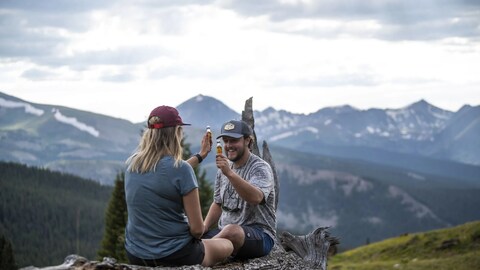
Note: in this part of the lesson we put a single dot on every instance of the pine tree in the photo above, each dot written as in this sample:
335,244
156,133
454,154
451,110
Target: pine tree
7,261
115,222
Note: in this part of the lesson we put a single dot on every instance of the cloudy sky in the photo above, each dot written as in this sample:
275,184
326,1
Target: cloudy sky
122,58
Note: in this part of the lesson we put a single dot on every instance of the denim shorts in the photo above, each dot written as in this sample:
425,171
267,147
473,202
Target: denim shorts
257,242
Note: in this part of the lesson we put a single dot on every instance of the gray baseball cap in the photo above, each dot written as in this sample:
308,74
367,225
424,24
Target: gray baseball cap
235,129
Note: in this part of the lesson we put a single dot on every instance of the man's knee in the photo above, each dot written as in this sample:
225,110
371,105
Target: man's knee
232,232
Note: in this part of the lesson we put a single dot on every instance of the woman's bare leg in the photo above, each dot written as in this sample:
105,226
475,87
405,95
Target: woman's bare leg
216,250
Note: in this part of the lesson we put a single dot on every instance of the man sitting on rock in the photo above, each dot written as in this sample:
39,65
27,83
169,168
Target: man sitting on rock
244,195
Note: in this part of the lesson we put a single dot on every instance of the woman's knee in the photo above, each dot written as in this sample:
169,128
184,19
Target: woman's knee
216,251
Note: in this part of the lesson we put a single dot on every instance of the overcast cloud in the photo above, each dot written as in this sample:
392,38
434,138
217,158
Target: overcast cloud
308,54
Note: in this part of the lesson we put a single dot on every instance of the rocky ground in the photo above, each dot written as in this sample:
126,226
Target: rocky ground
294,252
277,259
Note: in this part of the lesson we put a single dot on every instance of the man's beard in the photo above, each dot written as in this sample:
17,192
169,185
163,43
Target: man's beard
240,153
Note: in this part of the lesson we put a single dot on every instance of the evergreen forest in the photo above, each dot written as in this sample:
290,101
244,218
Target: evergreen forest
48,215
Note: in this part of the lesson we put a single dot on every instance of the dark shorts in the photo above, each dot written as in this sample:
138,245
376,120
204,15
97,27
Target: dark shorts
257,242
192,253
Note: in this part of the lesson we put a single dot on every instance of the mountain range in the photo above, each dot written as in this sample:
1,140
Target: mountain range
419,129
370,174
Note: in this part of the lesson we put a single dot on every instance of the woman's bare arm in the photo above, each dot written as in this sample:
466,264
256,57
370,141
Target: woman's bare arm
191,203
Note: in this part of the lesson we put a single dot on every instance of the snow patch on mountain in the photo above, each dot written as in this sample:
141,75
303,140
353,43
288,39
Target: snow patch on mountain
292,133
419,209
373,220
312,130
73,143
416,176
28,107
288,219
82,153
317,219
397,115
419,121
24,156
307,219
346,182
466,129
443,115
282,136
28,145
385,134
199,98
75,123
372,131
271,121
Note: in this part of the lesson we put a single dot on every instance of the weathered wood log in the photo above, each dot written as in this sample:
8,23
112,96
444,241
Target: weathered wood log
268,158
312,247
247,116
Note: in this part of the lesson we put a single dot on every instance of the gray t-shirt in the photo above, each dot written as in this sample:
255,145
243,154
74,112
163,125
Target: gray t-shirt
237,211
157,225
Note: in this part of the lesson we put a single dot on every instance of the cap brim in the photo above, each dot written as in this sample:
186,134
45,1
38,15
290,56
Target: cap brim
233,135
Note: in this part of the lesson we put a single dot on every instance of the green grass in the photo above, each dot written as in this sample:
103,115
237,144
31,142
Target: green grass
429,250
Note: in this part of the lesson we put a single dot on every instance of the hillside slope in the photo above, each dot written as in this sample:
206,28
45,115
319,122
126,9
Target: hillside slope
452,248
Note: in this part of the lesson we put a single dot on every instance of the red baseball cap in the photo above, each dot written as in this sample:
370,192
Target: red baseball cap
168,117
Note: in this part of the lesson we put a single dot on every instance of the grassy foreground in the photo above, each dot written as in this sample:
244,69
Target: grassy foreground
452,248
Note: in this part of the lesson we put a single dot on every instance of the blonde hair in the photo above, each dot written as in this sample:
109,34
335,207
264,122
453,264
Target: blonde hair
153,146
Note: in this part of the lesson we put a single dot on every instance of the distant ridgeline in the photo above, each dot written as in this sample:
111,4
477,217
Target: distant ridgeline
48,215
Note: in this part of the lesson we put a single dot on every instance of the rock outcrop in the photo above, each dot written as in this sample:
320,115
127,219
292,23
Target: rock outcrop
295,252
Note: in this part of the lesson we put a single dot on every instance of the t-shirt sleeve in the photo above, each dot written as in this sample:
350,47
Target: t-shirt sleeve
262,177
187,180
216,192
